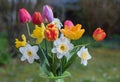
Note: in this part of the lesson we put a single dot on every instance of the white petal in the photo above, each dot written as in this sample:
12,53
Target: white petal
67,54
84,62
22,50
70,46
36,57
34,49
88,56
56,42
23,58
79,53
59,56
30,60
28,46
54,50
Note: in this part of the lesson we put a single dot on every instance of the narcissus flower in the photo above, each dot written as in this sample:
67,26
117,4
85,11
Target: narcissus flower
57,22
37,18
73,32
62,47
24,16
84,55
38,33
68,23
29,52
51,32
20,43
47,14
99,34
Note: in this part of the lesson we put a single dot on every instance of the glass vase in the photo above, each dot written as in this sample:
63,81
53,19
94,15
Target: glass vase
56,78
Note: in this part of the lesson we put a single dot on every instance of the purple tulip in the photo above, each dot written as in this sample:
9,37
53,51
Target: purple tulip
24,16
47,14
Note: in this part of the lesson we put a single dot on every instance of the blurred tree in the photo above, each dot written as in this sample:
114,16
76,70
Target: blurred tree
100,13
9,17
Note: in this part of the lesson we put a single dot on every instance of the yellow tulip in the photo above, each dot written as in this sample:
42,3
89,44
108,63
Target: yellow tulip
38,33
21,43
73,32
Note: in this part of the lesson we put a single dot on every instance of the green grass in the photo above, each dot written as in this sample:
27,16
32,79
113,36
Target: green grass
103,67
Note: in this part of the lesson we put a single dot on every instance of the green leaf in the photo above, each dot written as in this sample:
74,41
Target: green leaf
43,56
71,59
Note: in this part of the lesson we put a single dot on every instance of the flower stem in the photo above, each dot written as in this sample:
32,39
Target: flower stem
81,45
46,47
60,67
28,29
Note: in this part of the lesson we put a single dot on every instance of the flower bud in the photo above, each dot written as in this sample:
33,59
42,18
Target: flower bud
47,14
24,16
51,32
37,18
68,23
99,34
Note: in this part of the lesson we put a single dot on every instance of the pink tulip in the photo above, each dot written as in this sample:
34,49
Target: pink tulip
24,16
47,14
37,18
68,23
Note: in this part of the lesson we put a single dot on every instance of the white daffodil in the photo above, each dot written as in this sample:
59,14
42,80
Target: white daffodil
84,55
57,22
62,47
29,52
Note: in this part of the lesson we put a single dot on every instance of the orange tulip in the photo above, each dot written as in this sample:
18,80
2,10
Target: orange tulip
99,34
51,32
73,32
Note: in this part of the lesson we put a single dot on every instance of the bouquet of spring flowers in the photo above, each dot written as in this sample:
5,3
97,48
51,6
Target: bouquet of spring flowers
51,43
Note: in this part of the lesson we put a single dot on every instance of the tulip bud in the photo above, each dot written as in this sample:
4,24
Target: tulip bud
47,14
24,16
37,18
51,32
99,34
68,23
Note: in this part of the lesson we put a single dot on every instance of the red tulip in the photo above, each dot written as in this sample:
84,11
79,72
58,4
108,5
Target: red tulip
51,32
37,18
68,23
24,16
99,34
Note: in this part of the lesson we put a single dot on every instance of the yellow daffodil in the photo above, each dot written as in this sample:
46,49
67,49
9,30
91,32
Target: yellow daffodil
29,53
21,43
38,33
73,32
62,47
84,55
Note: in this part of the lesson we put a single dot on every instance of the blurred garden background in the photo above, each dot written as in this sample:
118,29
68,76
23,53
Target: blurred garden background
105,63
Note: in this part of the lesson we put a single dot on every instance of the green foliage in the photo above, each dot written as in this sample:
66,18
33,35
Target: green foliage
5,56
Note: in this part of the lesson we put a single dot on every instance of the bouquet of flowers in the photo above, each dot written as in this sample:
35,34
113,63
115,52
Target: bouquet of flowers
51,43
